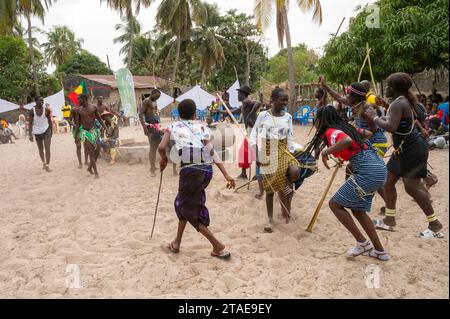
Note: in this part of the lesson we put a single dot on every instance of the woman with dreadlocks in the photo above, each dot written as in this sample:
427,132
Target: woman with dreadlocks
368,175
410,157
277,165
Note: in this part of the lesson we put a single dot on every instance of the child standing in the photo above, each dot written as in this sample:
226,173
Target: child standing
197,155
368,175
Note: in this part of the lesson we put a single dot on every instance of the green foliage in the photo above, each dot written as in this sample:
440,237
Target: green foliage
239,30
15,76
83,63
413,36
61,43
16,83
305,63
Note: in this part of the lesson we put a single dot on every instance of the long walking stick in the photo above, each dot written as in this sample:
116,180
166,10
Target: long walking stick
324,195
157,203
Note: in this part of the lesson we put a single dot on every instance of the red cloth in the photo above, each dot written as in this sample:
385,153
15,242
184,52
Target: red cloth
334,135
246,155
74,98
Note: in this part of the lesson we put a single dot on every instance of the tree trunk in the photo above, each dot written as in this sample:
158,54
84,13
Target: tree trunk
247,69
33,62
293,97
177,57
130,46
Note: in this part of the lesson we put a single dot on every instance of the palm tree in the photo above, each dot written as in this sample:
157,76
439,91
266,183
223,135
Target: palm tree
125,8
19,31
130,32
263,13
176,17
61,43
10,13
206,44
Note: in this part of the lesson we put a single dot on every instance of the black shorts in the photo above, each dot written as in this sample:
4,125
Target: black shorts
47,135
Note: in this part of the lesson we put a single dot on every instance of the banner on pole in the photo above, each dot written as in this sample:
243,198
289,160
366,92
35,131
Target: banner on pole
125,84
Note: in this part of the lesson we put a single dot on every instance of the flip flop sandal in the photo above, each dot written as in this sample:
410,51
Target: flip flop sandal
221,255
428,233
268,229
380,255
170,248
379,224
360,249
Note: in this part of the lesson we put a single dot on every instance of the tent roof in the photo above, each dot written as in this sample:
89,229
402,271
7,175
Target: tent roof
201,98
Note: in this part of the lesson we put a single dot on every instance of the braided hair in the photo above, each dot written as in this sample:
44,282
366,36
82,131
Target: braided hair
328,117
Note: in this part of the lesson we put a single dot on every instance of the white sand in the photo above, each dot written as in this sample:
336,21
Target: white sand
51,220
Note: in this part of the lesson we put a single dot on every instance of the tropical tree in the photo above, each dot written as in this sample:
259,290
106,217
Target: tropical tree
130,31
11,12
413,36
206,44
19,31
177,17
83,63
264,12
125,8
61,43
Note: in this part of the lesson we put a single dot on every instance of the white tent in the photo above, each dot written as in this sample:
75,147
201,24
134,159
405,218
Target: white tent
6,106
164,101
56,102
234,101
201,98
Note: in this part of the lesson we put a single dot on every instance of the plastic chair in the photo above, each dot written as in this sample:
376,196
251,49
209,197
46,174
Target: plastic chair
304,114
174,114
312,115
296,117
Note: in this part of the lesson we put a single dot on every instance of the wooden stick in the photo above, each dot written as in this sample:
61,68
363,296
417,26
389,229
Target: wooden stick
324,195
370,68
362,68
157,203
246,184
249,175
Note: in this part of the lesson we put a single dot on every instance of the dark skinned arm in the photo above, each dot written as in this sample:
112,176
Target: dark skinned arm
338,147
30,125
256,107
335,95
142,111
48,114
162,150
391,122
97,116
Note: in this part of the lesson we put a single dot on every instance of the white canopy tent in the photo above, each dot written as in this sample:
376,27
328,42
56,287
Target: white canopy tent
6,106
56,102
164,101
201,98
234,101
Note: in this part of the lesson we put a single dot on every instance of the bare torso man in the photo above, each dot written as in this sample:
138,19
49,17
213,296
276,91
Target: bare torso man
150,123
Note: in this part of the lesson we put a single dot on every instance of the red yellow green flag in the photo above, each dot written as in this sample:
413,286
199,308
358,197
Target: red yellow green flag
81,89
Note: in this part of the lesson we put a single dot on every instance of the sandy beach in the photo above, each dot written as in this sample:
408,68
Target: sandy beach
54,224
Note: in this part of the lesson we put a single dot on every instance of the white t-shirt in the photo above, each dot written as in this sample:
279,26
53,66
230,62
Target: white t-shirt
272,127
188,134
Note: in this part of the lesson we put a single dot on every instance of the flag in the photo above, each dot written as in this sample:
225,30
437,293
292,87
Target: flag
125,84
81,89
234,101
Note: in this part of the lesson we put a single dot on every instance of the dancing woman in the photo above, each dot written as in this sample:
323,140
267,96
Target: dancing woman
410,157
368,175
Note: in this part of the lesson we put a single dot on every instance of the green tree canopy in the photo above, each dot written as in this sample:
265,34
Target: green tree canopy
413,36
83,63
305,61
16,83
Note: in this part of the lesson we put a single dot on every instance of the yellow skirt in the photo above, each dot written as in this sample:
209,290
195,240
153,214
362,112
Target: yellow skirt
275,160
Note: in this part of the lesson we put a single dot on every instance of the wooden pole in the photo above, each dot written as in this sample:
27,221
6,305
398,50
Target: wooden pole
157,204
370,69
324,195
335,35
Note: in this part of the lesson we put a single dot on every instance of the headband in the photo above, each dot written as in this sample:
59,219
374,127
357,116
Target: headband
352,89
